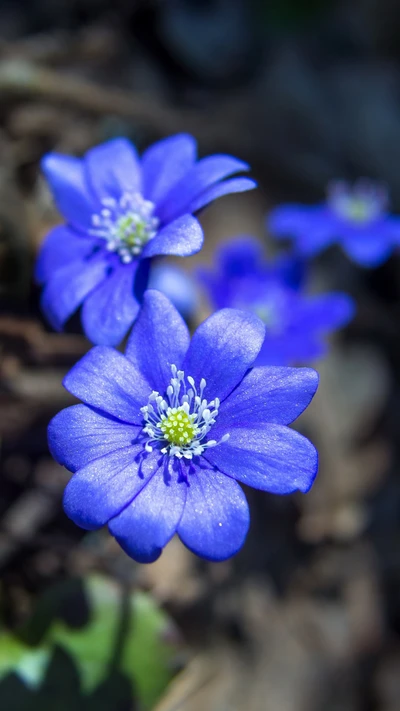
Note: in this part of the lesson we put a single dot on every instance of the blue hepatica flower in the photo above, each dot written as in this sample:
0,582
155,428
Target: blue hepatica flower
296,323
357,218
168,430
121,211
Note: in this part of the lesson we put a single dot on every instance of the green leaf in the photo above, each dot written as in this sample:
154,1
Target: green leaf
124,633
28,663
147,658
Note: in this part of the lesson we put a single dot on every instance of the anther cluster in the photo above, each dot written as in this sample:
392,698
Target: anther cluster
126,224
182,419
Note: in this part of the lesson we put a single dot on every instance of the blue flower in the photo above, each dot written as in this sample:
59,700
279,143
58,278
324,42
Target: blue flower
168,430
178,286
357,218
120,212
295,322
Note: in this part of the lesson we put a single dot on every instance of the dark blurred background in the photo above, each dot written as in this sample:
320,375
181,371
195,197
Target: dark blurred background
307,616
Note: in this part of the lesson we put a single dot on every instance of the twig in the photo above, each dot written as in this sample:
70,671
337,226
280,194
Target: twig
20,78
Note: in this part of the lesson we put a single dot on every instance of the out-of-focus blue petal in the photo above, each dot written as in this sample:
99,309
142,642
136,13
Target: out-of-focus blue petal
216,516
159,339
288,220
291,269
240,257
79,434
291,349
107,380
227,187
60,247
323,312
68,287
100,490
178,286
74,199
200,178
319,235
165,163
145,526
392,228
272,458
268,395
211,282
243,274
222,349
369,249
182,237
111,308
113,168
314,228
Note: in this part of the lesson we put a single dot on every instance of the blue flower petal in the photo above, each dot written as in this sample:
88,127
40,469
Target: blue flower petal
216,516
200,178
369,249
182,237
392,228
320,234
222,349
113,168
237,259
272,458
60,247
288,220
323,312
228,187
165,163
74,199
79,434
240,257
159,339
100,490
110,310
145,526
292,348
68,287
178,286
270,395
292,269
107,380
314,228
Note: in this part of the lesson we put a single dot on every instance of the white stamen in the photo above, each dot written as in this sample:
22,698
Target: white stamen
126,225
181,421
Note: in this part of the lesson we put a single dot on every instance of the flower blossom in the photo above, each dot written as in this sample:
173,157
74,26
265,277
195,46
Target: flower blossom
166,432
120,212
296,322
355,217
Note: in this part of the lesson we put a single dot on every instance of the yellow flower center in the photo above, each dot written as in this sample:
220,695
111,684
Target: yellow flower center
178,427
133,232
179,423
126,225
359,210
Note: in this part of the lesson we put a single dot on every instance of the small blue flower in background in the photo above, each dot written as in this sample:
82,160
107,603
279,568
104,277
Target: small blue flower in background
355,217
168,430
178,286
121,211
296,323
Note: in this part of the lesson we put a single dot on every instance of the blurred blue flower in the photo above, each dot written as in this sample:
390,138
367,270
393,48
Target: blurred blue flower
120,212
178,286
168,429
295,322
355,217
